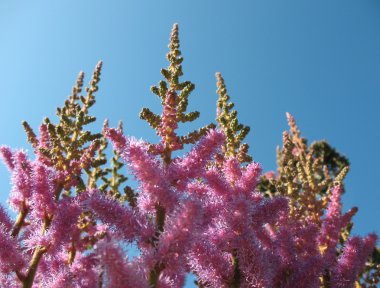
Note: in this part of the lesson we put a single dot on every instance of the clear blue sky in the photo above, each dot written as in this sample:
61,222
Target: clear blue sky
319,60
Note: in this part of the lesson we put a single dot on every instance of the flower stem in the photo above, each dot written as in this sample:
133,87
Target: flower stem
37,255
237,273
19,221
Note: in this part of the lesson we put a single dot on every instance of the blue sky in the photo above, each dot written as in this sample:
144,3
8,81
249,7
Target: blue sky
319,60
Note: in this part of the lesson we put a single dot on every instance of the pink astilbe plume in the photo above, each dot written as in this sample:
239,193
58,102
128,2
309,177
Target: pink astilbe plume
84,272
211,265
43,142
5,220
128,224
217,185
232,170
118,271
192,215
333,223
180,231
193,163
7,156
11,256
21,169
147,169
63,230
44,189
350,263
250,178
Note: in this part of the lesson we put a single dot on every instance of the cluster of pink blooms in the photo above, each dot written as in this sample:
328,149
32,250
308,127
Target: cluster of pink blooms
215,225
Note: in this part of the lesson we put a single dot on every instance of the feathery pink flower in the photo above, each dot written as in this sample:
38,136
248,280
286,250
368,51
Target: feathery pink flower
11,256
194,163
7,156
250,178
21,181
127,223
43,193
5,221
350,263
212,266
118,271
148,170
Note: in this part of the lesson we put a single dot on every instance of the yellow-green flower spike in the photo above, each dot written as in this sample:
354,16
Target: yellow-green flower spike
175,108
68,141
305,174
116,179
228,122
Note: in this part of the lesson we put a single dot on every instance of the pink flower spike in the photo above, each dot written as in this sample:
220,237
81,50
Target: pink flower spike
148,170
350,263
194,163
116,137
269,211
232,170
250,178
64,225
21,180
118,271
218,185
5,220
210,264
42,199
180,230
11,257
335,206
127,223
7,155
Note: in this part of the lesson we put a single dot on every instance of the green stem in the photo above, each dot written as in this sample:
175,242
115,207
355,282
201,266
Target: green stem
160,218
29,278
100,283
237,272
155,274
19,221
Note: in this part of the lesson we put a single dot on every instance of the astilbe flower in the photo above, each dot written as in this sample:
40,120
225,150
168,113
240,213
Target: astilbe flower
271,249
5,220
202,212
256,243
44,189
126,224
147,169
54,271
351,262
155,178
119,271
21,169
10,252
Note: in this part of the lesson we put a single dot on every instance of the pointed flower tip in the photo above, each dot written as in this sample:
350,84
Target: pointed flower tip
105,125
7,156
120,126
